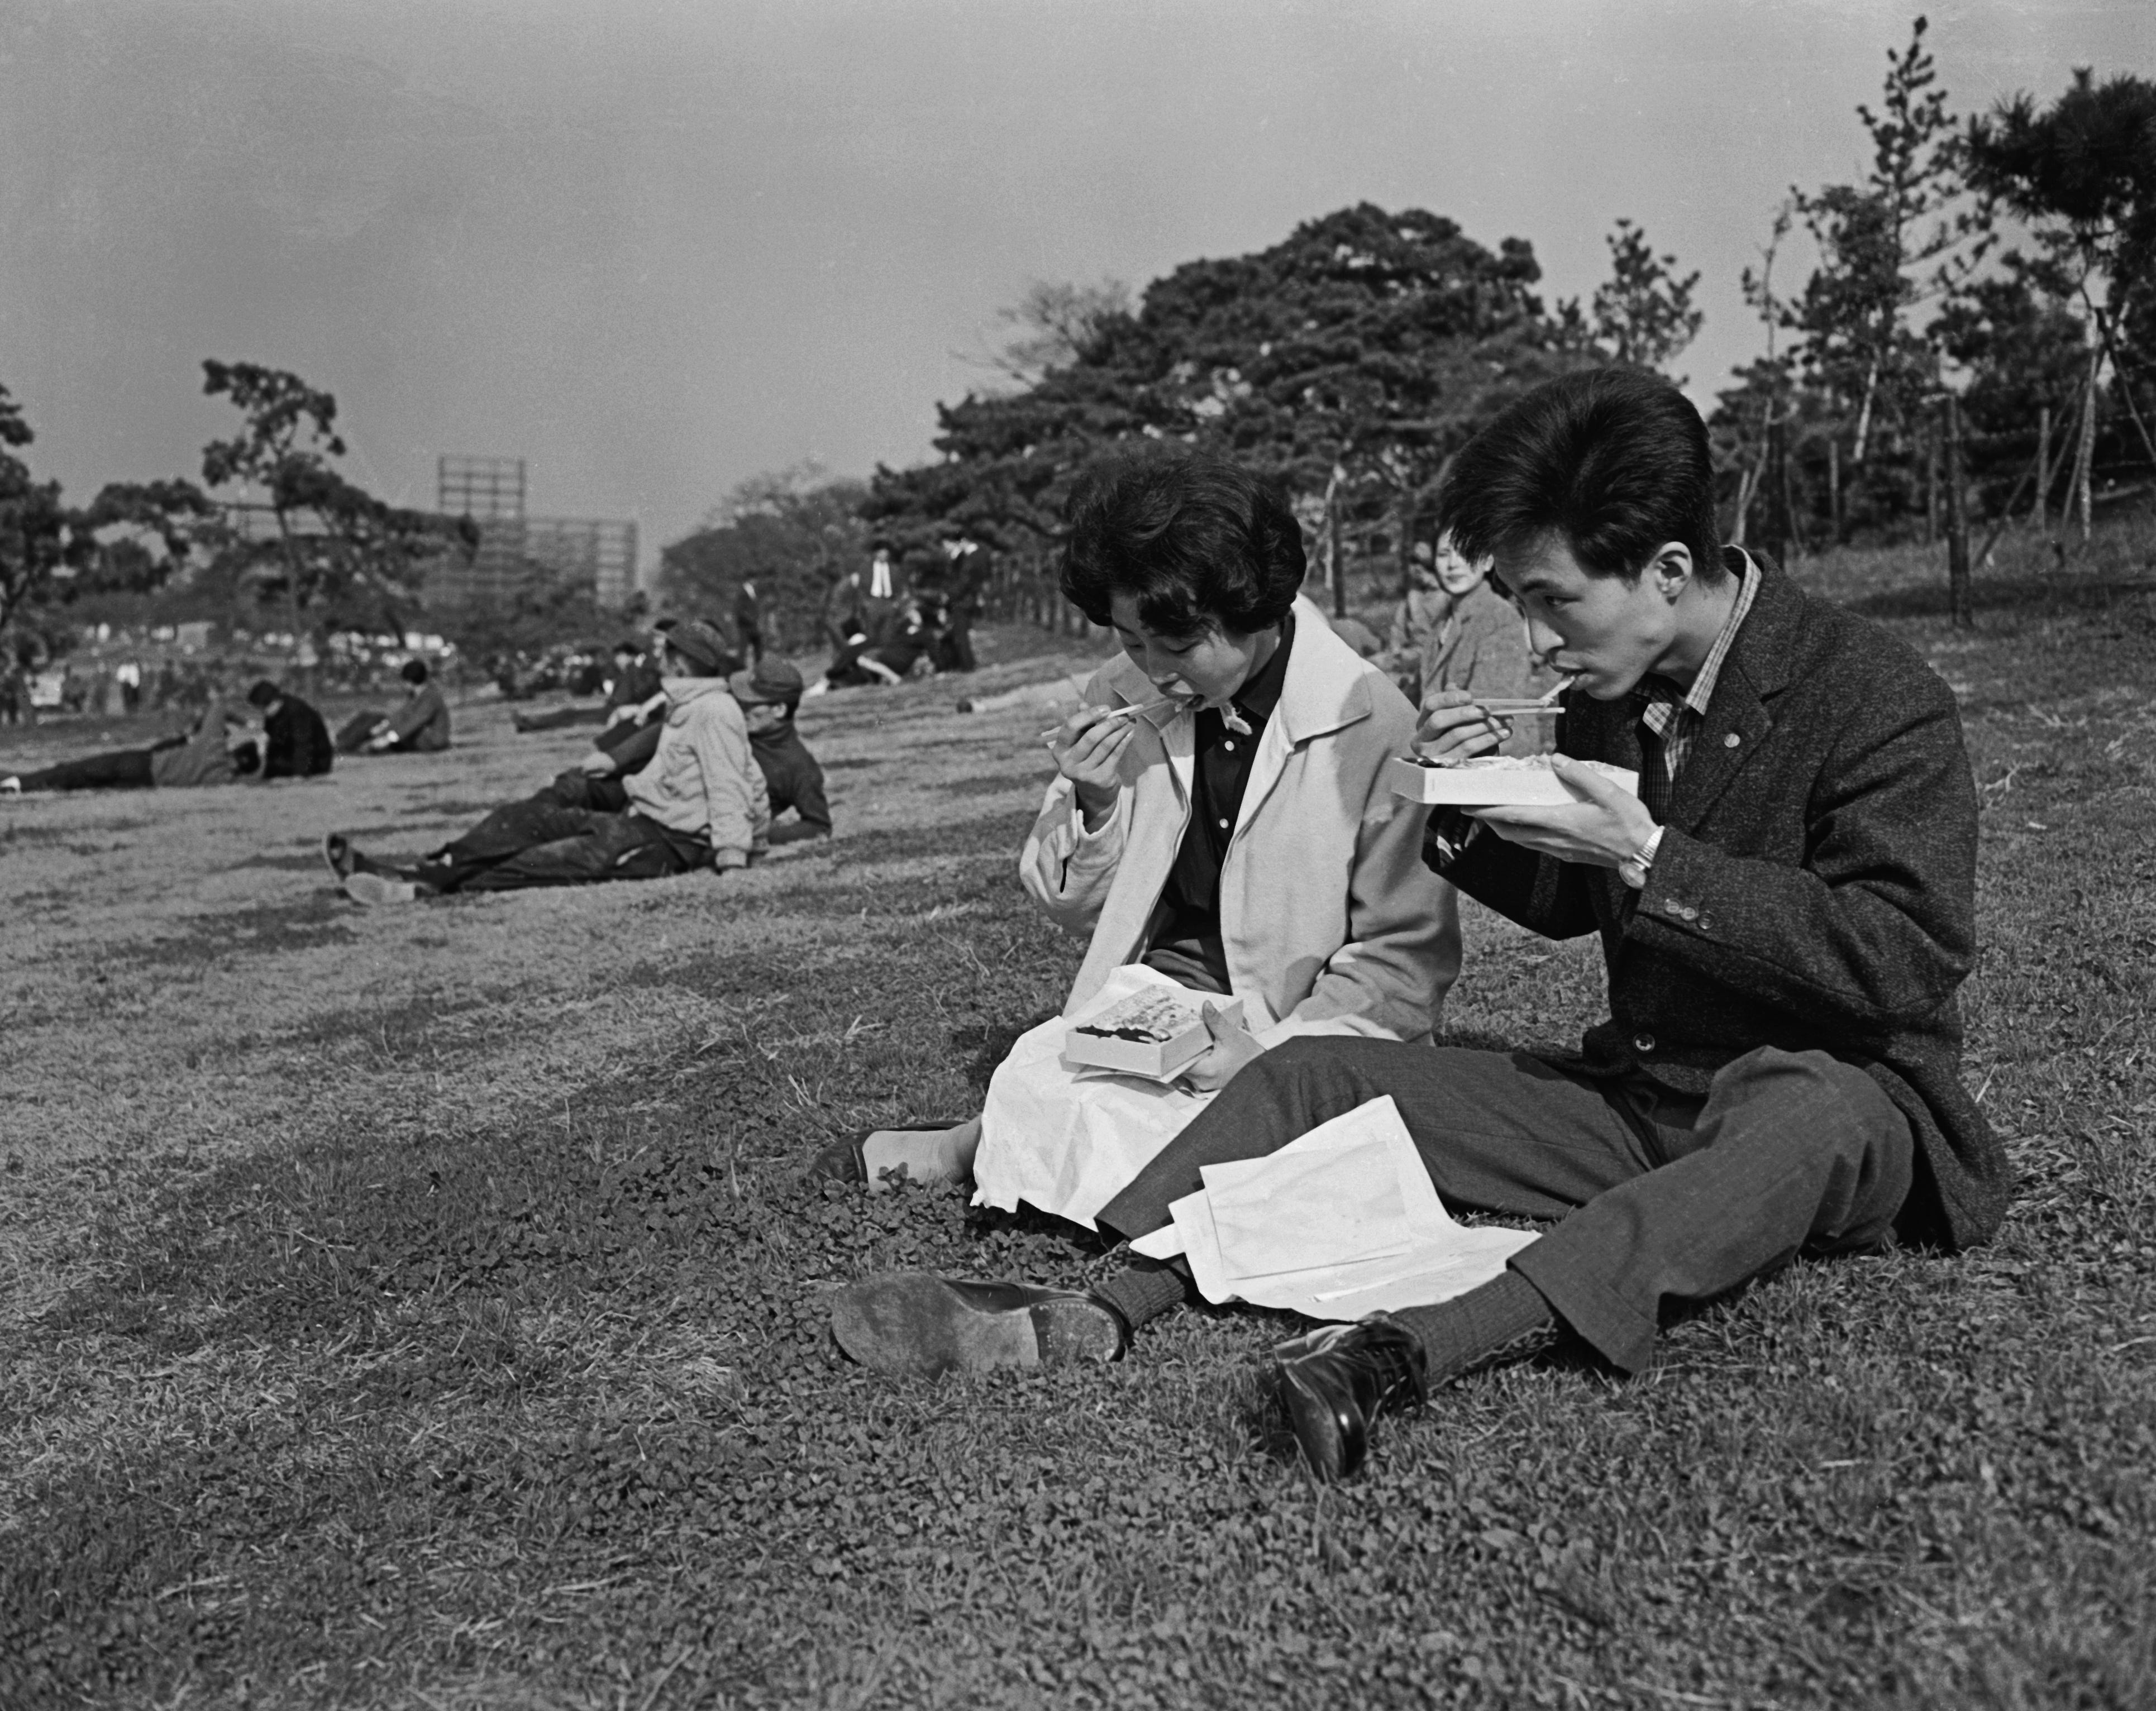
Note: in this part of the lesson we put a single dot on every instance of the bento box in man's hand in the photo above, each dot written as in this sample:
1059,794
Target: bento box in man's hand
1495,781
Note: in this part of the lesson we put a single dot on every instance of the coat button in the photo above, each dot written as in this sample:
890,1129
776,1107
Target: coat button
1643,1042
1223,825
1706,924
1731,740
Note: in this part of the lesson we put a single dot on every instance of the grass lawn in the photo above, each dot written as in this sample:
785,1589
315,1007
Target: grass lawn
424,1308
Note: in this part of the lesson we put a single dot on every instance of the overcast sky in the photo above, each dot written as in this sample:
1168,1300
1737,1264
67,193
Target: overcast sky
657,248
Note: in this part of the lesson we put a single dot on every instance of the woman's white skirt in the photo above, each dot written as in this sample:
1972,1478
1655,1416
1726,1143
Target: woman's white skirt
1068,1139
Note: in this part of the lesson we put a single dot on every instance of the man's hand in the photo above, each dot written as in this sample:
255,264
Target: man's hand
1234,1045
1453,728
1606,826
1088,747
596,763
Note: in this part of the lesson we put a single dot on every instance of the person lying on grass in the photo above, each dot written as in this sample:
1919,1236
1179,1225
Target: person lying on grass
770,696
1786,909
421,726
700,803
221,746
1219,816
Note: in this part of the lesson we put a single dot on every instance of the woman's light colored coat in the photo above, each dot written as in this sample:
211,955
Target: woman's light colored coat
1332,923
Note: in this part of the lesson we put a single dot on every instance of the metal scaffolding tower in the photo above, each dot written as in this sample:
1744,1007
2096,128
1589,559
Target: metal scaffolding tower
598,552
485,489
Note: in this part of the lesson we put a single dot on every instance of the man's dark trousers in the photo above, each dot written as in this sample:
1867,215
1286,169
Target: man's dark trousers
1662,1196
542,841
559,718
122,769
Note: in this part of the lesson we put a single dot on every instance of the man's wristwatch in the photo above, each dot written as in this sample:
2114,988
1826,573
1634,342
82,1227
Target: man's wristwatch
1633,870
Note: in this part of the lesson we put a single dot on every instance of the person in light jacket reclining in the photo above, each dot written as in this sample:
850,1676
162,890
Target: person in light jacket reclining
1234,835
700,802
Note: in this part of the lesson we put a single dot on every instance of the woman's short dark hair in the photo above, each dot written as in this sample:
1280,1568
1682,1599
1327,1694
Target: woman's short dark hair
1199,542
1614,461
414,672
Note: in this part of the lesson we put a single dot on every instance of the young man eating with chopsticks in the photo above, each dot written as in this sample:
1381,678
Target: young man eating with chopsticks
1786,909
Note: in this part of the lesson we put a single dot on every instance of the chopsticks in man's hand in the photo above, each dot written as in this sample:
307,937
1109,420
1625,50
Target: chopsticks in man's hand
1544,703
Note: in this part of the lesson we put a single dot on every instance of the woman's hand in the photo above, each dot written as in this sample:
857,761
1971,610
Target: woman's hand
1088,747
1453,728
1234,1046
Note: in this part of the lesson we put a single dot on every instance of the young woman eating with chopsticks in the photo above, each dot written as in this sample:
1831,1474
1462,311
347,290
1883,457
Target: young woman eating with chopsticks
1219,819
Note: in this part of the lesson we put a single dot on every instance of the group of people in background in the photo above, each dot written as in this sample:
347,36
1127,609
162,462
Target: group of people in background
689,776
884,624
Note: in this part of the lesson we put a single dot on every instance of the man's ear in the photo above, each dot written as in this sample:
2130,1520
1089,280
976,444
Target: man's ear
1672,567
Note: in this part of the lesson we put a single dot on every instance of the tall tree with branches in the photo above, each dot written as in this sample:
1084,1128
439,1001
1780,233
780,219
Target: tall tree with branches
1643,313
1053,324
334,541
2082,173
40,545
1908,233
132,537
1350,359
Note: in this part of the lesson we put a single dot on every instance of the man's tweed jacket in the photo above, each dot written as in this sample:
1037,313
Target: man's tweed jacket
1816,888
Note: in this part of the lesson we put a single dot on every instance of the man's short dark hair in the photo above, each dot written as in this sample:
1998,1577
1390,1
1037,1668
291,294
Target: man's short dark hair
414,672
1614,461
264,695
1196,541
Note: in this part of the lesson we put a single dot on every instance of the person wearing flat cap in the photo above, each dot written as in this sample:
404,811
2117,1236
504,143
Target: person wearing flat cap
700,802
768,695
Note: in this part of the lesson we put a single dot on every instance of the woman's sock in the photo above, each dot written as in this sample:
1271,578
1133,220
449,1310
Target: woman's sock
925,1154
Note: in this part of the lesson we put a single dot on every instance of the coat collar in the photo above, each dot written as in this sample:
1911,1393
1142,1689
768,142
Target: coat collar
1762,659
1738,717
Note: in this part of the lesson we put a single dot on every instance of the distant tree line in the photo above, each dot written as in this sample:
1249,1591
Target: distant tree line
1967,331
274,526
1984,297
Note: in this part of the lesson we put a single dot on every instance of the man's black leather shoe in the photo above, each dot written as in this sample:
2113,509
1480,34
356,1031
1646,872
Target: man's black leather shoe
1333,1382
912,1323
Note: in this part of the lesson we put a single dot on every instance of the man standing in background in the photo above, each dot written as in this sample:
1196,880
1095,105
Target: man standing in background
968,575
748,624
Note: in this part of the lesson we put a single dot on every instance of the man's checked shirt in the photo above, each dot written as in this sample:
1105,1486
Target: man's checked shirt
1671,717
